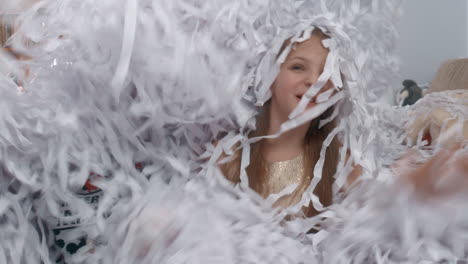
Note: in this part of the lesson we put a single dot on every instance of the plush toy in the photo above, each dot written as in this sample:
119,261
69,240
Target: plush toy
410,94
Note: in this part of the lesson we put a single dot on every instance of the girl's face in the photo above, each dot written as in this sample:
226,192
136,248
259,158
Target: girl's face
299,71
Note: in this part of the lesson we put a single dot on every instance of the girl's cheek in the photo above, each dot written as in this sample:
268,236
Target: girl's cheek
328,85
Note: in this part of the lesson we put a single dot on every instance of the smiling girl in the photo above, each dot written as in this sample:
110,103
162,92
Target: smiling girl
290,158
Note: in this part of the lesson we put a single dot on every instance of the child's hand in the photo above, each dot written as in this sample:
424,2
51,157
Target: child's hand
443,175
440,126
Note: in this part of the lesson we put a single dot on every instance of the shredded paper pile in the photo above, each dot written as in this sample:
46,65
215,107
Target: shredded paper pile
144,96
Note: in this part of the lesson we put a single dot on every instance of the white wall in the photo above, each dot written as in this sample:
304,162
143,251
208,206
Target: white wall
432,31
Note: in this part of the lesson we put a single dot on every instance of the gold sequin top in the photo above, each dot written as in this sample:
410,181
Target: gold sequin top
283,173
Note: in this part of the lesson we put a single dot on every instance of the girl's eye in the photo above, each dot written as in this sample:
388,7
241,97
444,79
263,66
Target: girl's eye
297,67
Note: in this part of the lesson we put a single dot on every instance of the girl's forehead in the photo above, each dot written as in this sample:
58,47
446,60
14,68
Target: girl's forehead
312,47
314,42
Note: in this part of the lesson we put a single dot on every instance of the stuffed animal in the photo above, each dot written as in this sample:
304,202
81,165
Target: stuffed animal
410,94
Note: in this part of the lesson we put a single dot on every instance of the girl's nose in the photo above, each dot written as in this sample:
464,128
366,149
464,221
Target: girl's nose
310,80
